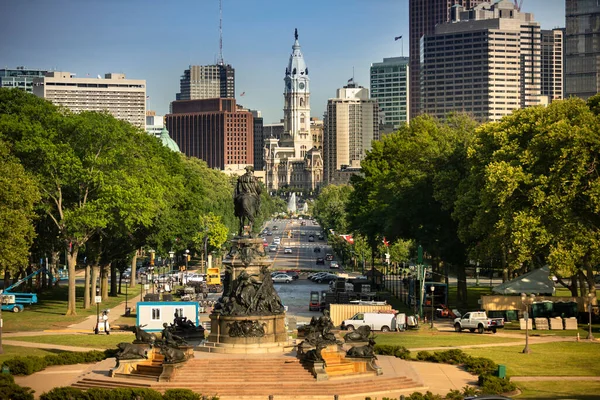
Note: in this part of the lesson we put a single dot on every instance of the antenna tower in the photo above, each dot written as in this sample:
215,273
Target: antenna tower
220,60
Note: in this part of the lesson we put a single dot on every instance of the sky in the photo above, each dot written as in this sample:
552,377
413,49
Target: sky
157,40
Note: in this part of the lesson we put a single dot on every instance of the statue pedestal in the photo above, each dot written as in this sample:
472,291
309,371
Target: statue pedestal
250,317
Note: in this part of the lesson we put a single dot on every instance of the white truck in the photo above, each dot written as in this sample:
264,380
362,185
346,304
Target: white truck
478,321
384,322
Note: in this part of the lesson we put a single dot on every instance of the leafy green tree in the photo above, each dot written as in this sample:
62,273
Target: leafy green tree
18,196
330,208
539,189
212,234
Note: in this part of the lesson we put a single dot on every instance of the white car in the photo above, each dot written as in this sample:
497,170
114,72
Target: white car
195,278
277,240
282,278
273,248
287,250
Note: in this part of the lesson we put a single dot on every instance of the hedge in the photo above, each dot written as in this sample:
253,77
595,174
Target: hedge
391,350
10,390
30,364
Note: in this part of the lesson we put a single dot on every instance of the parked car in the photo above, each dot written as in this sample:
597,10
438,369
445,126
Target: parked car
195,278
269,233
310,276
334,265
302,233
277,240
321,237
320,261
287,250
275,227
318,275
478,321
273,248
282,278
311,238
376,321
326,278
293,274
317,249
329,257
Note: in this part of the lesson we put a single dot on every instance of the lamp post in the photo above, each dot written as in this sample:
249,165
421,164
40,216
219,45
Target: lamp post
126,293
590,298
97,330
525,301
432,291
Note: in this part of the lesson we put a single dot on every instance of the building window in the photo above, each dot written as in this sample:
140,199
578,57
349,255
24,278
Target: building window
156,314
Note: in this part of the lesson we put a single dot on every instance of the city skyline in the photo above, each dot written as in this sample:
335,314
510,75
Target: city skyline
154,41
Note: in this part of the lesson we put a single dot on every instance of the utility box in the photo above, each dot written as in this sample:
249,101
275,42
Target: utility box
501,371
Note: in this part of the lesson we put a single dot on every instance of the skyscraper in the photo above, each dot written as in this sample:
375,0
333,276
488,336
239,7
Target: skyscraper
424,15
207,82
351,125
553,64
389,86
214,130
259,141
292,160
124,98
486,62
582,55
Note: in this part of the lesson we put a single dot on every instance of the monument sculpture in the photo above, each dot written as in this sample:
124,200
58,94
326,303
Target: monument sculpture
250,311
361,334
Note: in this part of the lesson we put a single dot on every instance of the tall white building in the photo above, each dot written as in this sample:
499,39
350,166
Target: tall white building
292,160
390,87
124,98
486,62
351,125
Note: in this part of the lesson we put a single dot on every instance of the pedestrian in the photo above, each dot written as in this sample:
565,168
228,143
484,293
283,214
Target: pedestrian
105,321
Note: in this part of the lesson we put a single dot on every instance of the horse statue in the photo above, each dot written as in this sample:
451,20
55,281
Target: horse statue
246,199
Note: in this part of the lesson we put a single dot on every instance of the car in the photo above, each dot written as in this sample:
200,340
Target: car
321,237
302,233
277,240
282,278
273,248
293,274
311,238
326,278
265,244
334,265
310,276
317,249
275,227
287,250
329,257
316,276
320,261
195,278
269,233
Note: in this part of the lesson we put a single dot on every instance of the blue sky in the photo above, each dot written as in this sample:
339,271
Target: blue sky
157,39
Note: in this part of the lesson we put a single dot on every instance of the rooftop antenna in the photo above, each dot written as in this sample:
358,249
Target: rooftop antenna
220,60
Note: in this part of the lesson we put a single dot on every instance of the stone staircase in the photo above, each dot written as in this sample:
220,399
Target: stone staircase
280,376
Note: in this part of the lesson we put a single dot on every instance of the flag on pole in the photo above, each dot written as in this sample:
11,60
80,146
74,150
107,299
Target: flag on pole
147,97
350,80
348,238
243,93
398,37
385,242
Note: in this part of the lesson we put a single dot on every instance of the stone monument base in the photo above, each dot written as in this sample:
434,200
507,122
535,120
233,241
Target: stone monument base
226,337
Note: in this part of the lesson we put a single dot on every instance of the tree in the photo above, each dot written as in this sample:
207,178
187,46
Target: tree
330,208
211,235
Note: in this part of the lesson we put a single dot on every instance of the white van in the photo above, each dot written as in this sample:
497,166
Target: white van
376,321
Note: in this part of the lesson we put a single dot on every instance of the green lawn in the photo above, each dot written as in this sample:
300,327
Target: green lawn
548,359
424,338
544,390
49,312
12,351
80,340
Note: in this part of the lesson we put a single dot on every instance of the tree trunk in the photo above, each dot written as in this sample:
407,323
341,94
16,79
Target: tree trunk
105,270
113,280
95,275
86,290
44,276
461,287
6,278
54,266
582,283
573,287
72,297
133,270
591,283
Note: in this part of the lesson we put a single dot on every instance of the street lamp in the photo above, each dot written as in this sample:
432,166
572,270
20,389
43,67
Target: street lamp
590,298
524,300
97,330
187,255
432,291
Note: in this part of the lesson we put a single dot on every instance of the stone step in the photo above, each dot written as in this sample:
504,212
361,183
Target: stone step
88,383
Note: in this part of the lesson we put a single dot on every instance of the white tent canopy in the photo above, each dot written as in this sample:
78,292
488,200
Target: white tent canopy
537,281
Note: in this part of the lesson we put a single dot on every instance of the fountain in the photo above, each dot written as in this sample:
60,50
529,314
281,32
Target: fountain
292,204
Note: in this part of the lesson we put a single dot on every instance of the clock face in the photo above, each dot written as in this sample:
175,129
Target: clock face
301,85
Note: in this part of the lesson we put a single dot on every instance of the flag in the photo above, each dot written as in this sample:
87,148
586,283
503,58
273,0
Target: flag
88,74
147,97
348,238
385,242
350,80
398,37
243,93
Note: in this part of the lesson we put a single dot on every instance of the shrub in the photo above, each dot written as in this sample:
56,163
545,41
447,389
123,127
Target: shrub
389,350
453,357
180,394
25,365
426,396
426,356
480,366
490,384
10,390
64,393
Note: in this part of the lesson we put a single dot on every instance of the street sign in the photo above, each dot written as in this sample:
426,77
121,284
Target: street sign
97,299
146,286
